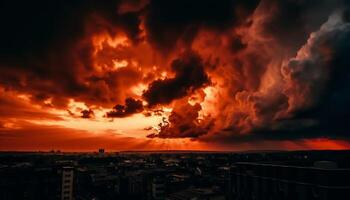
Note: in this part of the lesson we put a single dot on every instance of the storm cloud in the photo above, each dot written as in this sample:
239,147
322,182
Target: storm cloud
216,71
189,76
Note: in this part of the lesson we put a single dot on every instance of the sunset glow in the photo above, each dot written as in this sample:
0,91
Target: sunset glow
135,76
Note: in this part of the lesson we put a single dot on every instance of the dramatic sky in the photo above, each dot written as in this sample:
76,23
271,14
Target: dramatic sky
174,74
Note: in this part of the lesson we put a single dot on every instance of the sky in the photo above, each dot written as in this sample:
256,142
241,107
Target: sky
229,75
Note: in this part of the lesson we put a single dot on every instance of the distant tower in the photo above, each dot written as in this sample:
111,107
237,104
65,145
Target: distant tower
67,183
101,152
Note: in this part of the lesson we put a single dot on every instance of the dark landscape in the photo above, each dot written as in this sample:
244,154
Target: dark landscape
172,175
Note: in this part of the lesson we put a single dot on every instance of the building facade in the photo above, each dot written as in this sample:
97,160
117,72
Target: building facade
254,181
67,183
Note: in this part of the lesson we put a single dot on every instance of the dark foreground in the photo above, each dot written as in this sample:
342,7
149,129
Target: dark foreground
304,175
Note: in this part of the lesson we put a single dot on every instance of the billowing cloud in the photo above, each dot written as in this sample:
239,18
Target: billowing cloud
87,113
131,106
183,122
309,98
211,71
47,50
178,21
189,76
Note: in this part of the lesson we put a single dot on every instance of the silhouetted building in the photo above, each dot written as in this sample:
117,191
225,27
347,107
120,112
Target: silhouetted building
67,183
175,176
279,182
158,188
101,152
29,183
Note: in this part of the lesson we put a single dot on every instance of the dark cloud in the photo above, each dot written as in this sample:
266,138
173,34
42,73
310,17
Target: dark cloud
288,19
183,123
87,114
46,47
329,55
318,90
310,100
32,28
237,44
131,107
170,21
189,76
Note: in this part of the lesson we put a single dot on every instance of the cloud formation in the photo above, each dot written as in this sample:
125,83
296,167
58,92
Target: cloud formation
189,76
216,71
131,106
179,21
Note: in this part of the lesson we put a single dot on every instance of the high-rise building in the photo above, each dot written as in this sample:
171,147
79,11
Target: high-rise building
67,183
